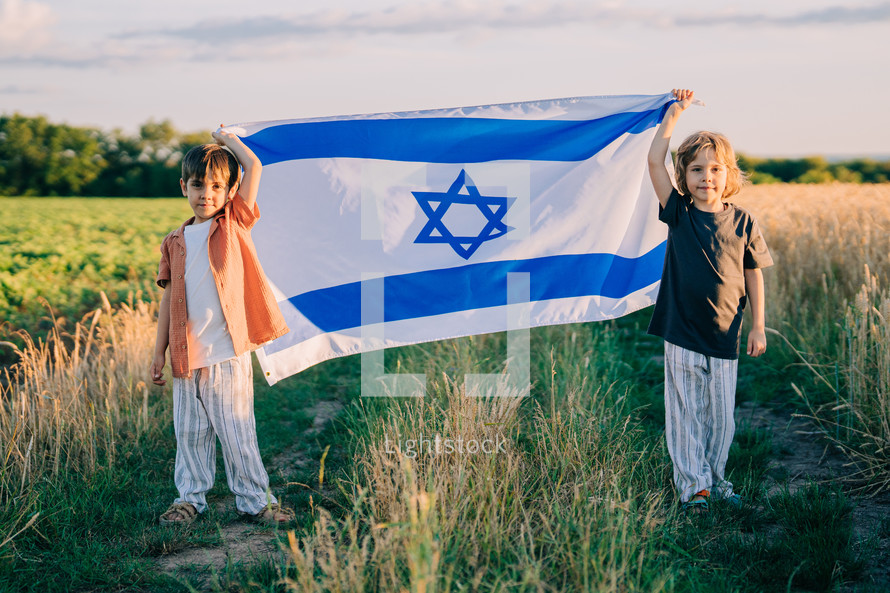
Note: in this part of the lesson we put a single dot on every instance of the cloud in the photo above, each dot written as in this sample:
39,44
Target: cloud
11,89
423,18
405,19
832,15
51,60
105,53
334,31
24,26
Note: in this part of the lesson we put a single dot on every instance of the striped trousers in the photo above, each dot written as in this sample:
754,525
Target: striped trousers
699,399
217,401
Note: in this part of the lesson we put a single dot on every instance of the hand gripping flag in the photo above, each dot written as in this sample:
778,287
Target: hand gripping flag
413,223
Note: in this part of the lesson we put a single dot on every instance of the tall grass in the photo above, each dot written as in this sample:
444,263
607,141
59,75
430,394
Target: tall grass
71,398
573,491
858,422
867,401
579,500
573,499
828,294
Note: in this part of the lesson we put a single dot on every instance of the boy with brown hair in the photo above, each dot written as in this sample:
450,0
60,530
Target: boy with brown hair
217,307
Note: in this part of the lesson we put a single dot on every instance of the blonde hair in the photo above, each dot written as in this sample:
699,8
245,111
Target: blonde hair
699,141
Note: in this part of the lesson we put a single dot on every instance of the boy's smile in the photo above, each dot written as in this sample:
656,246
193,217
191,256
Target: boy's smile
706,181
207,196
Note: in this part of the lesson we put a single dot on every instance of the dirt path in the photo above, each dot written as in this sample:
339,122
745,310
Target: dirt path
295,456
242,541
802,456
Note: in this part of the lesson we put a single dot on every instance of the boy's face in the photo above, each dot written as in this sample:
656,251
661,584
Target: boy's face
706,180
207,196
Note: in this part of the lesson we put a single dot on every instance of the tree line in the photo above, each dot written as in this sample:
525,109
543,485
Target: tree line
815,169
41,158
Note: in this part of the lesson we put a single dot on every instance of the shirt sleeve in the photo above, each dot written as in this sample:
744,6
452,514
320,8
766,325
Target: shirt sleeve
670,212
756,252
242,215
164,266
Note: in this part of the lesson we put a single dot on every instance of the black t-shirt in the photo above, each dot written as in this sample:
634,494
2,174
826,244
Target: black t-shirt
702,294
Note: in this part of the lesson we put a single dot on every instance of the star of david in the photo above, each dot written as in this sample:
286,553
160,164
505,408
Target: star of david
435,231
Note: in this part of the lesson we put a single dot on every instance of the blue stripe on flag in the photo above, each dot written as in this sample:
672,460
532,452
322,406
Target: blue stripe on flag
448,139
477,286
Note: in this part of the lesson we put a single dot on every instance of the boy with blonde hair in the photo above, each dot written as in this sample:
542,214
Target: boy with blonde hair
217,307
715,251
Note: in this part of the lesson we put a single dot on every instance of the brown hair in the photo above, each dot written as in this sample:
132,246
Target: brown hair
694,144
210,158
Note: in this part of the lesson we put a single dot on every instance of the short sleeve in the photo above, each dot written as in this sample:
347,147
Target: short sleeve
164,266
670,212
242,215
756,252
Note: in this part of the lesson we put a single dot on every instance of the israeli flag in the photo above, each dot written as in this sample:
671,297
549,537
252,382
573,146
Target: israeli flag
414,223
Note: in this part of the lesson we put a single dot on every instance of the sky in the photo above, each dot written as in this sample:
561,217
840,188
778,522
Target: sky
789,78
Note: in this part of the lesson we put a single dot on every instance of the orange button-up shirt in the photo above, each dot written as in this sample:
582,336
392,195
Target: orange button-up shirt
249,307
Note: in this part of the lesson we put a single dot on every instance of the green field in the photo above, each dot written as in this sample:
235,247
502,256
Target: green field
64,251
581,500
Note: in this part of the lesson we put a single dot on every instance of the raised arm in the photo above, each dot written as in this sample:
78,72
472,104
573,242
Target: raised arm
250,182
661,179
757,335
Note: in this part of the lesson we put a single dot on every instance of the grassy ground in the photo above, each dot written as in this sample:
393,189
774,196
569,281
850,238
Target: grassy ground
581,501
97,530
579,498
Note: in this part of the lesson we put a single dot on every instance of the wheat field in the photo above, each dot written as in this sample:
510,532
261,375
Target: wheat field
821,237
829,295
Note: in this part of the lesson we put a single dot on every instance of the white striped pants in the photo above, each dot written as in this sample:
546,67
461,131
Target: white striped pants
699,398
217,401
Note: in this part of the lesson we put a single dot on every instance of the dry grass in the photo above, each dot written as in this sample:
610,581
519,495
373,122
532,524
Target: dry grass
821,237
828,293
859,421
70,398
576,500
560,507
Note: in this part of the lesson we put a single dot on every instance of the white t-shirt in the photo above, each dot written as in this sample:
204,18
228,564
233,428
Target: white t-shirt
208,337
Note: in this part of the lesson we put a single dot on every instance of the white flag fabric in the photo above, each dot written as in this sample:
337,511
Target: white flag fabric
413,222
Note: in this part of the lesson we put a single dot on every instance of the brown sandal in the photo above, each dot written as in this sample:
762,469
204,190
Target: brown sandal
179,513
274,514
